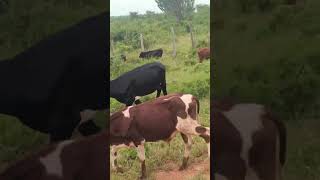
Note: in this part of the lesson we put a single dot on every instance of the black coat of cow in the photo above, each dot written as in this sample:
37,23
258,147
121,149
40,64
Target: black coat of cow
47,85
150,54
140,81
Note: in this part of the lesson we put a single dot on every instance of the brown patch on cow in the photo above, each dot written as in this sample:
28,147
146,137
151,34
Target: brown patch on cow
178,107
200,129
282,131
227,146
193,108
203,53
263,152
205,137
224,104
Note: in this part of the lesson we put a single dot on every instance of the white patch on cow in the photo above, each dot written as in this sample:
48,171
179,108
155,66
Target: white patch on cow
87,114
137,97
126,112
220,177
187,126
187,99
52,162
246,118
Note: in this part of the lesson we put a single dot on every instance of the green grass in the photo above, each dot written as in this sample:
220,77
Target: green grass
258,57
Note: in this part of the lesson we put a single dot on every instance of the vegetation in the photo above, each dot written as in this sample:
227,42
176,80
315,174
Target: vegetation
272,57
184,74
23,23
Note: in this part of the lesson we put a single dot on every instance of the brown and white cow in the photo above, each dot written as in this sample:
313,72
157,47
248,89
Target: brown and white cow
203,53
84,159
249,142
159,119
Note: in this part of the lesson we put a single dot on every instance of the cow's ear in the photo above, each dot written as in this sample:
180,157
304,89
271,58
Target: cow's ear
120,126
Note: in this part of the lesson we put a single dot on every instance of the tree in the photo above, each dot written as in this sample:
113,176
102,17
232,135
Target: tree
181,9
133,15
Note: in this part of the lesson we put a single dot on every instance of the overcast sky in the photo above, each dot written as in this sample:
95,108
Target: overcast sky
123,7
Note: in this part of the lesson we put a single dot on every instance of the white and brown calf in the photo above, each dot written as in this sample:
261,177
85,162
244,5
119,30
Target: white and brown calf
159,119
249,143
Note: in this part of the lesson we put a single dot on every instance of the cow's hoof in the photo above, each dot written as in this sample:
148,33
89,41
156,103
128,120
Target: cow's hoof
182,168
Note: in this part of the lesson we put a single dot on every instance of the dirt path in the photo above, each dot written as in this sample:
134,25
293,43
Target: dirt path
194,169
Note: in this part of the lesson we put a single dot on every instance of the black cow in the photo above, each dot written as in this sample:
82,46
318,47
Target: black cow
138,82
49,84
150,54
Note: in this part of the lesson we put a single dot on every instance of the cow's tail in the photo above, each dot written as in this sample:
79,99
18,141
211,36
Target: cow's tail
198,107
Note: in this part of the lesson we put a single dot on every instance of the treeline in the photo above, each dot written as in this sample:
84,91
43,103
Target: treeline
126,30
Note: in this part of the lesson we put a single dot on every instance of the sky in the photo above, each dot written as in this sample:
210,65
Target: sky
123,7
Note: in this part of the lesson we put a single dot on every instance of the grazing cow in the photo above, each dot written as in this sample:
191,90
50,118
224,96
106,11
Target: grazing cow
203,53
149,54
141,81
83,159
123,57
49,84
159,119
249,142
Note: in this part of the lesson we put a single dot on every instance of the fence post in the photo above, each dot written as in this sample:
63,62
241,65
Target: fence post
141,42
192,36
174,53
112,48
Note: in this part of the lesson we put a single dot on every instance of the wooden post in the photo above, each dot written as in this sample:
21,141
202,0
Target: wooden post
192,36
174,53
141,41
112,47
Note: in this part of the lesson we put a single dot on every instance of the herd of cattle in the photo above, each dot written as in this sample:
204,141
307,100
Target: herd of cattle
203,53
57,86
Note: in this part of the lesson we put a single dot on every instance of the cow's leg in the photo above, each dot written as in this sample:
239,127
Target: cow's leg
114,163
164,88
187,149
142,158
158,92
192,127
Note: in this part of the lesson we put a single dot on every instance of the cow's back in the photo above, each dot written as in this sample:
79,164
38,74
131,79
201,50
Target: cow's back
142,79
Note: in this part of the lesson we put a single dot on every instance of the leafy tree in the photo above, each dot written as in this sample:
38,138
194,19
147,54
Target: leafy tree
181,9
133,14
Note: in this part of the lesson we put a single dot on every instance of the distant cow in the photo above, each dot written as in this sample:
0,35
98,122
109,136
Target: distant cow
159,119
123,57
141,81
203,53
249,142
48,85
84,159
149,54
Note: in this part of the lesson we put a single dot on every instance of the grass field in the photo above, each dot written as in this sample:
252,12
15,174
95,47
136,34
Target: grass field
185,75
271,58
